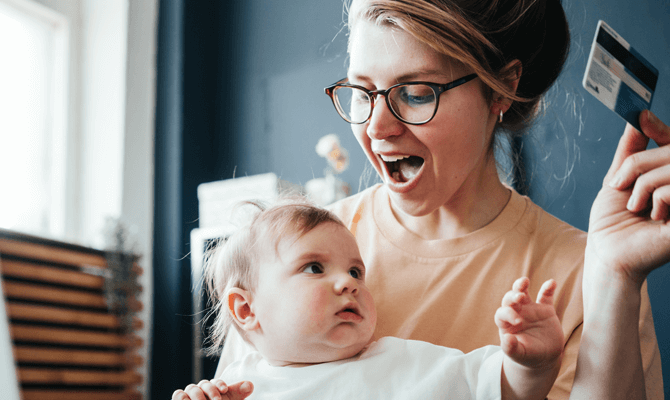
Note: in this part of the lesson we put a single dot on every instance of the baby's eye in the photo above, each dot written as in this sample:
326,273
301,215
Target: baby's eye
313,268
356,273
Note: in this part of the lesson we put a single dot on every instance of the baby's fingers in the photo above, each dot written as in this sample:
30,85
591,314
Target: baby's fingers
508,319
518,296
521,285
546,293
213,389
180,395
191,392
240,390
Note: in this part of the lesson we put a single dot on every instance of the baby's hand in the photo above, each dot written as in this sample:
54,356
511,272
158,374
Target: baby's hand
530,333
215,389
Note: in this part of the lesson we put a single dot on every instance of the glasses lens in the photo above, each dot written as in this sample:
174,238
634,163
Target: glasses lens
413,103
352,104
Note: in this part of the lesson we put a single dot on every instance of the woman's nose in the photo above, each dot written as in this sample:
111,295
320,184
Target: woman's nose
383,123
346,283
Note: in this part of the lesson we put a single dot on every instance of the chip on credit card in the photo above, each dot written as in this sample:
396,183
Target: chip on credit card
618,76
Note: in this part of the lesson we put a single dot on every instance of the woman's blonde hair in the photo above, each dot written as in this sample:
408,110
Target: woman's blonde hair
487,36
233,261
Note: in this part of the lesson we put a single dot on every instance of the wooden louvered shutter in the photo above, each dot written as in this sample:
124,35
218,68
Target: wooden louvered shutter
67,342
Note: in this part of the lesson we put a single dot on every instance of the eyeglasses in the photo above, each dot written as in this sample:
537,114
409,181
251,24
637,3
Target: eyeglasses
413,103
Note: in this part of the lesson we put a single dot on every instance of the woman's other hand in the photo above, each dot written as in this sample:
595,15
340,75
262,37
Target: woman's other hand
214,390
629,231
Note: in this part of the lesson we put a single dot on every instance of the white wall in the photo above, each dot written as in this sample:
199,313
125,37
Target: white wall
111,98
138,155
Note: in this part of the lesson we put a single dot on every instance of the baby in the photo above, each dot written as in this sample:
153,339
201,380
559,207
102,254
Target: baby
293,284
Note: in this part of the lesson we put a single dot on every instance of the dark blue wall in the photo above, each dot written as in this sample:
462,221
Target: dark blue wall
573,146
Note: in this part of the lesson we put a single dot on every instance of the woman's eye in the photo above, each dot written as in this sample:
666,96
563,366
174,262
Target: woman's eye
313,269
416,95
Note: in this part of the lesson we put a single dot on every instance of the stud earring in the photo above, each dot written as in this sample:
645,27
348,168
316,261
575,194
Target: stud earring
501,115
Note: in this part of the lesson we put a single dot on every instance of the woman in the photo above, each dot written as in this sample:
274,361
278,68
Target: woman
443,230
443,237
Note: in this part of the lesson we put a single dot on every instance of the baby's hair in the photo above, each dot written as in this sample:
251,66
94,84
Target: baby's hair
233,261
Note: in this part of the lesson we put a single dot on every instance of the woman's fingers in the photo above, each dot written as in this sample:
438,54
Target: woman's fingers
633,142
647,184
654,128
661,198
648,171
638,165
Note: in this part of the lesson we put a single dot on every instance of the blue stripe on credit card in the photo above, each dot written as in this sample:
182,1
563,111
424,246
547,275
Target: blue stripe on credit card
618,76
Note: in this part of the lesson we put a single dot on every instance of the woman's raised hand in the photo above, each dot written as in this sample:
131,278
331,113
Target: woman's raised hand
215,389
629,228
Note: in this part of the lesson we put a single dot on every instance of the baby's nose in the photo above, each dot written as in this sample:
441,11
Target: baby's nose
346,283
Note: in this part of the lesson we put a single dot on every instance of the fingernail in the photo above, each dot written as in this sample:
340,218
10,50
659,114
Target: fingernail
615,182
245,388
652,118
631,203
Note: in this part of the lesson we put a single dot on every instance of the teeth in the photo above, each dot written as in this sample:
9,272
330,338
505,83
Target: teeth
393,158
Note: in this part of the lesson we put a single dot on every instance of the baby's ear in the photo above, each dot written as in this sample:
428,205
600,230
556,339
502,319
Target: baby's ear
239,308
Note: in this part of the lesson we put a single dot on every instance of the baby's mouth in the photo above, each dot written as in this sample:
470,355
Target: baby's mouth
402,168
350,314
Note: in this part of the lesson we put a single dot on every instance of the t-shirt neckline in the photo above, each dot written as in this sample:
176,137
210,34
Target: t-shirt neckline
410,242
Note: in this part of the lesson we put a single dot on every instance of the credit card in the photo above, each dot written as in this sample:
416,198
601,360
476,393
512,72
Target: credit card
619,76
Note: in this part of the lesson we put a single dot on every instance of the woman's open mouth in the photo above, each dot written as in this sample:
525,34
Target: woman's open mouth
402,168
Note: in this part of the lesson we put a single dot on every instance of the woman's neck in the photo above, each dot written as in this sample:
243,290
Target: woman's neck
477,202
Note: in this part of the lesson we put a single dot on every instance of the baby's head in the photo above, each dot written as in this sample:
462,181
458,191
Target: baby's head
293,283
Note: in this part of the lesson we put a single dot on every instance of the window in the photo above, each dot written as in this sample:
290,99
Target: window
33,118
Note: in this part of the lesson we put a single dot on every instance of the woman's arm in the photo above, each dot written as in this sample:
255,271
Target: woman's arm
629,236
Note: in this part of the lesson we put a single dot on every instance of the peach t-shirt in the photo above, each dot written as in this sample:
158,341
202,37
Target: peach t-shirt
447,291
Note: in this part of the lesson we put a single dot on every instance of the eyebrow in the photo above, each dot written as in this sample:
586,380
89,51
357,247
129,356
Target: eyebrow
312,256
408,76
323,257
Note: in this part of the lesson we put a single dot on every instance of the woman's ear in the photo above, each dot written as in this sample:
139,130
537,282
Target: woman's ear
511,74
240,309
